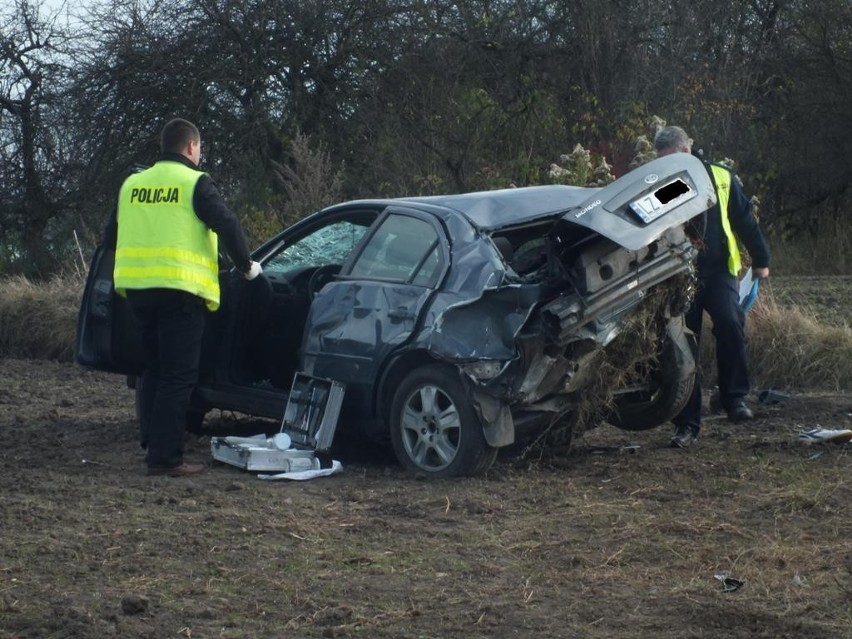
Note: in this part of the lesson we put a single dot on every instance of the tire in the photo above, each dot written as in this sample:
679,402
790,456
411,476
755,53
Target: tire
649,410
434,428
669,386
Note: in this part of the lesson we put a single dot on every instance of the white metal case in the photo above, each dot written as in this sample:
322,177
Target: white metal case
310,421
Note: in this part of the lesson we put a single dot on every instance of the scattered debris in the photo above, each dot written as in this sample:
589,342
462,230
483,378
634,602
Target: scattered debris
800,581
729,584
771,396
134,604
629,449
92,462
819,435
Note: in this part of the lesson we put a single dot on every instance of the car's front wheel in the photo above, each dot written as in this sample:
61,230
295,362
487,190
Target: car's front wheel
434,428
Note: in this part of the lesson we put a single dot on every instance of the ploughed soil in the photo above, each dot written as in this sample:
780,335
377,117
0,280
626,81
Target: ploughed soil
622,537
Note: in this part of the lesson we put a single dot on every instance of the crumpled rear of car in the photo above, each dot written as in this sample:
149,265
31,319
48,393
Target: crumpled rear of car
537,336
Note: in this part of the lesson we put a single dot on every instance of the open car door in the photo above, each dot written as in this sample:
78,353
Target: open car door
107,339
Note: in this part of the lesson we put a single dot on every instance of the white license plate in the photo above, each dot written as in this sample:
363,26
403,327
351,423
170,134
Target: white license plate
662,200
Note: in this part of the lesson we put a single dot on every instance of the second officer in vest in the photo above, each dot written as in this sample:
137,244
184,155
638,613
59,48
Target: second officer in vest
170,219
729,222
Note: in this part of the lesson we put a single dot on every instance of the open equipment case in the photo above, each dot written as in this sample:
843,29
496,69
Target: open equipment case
309,422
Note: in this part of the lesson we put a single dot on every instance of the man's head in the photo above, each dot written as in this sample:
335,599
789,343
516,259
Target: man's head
672,139
181,136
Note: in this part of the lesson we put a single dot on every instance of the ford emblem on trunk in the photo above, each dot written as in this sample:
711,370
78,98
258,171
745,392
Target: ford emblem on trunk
651,178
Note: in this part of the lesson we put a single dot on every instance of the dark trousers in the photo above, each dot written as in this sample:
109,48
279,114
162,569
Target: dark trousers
171,324
718,296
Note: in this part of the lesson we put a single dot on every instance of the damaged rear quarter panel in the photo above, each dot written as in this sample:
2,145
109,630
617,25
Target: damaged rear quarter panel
484,328
479,310
478,316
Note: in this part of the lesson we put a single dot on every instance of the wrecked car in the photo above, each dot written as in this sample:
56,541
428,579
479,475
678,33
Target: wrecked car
459,324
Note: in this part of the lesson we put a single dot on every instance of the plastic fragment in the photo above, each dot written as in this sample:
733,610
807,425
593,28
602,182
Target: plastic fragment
818,435
771,396
729,584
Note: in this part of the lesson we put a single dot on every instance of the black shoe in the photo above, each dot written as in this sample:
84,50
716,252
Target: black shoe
739,412
684,436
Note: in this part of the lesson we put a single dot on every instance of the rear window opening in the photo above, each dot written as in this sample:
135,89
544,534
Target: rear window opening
523,248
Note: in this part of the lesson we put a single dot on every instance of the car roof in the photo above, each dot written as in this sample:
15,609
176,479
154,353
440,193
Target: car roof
507,207
491,210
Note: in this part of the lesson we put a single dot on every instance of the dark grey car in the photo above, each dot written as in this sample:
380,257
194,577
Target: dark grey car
458,323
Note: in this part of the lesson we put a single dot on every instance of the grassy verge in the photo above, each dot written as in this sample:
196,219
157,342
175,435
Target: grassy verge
799,335
791,347
799,331
38,319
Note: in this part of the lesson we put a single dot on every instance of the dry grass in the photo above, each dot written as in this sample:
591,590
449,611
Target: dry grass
38,319
793,341
790,348
610,544
799,336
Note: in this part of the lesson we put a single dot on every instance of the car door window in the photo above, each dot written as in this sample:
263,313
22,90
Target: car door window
403,249
330,244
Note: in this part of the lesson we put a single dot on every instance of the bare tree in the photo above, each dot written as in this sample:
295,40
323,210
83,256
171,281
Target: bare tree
409,96
31,45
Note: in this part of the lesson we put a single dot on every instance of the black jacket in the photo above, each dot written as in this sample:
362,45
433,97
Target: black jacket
714,255
210,207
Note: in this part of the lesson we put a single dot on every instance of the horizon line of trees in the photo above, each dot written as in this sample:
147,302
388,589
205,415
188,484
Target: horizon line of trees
302,103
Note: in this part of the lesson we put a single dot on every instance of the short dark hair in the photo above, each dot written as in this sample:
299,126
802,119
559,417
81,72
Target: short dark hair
177,134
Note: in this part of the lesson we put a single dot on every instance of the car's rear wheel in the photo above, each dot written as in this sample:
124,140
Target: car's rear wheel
646,409
667,386
434,428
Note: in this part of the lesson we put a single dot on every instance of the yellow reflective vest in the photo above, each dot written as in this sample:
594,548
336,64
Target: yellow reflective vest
722,181
161,242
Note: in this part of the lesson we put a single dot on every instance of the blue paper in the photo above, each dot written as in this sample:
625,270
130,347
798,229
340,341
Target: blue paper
749,288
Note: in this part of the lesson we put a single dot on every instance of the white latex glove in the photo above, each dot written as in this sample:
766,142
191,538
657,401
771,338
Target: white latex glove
255,270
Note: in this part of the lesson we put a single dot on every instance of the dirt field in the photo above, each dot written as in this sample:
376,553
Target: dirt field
609,542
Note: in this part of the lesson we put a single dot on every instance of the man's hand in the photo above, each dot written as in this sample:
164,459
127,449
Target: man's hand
256,269
760,273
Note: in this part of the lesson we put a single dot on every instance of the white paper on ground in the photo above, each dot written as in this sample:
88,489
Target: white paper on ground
302,475
839,436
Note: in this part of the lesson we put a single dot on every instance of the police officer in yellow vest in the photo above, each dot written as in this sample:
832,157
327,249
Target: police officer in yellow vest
729,222
170,219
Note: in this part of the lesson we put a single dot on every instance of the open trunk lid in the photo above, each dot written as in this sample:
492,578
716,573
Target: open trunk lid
639,207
